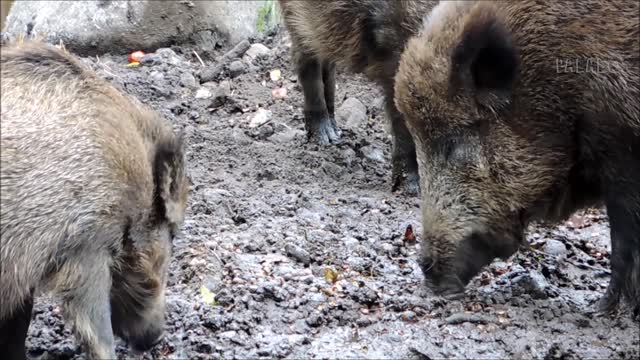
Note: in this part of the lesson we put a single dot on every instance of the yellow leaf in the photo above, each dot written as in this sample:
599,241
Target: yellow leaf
275,75
133,64
330,275
207,296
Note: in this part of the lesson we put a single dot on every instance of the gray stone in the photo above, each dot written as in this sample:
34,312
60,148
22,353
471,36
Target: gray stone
189,81
298,253
97,27
236,68
257,51
352,113
555,248
372,153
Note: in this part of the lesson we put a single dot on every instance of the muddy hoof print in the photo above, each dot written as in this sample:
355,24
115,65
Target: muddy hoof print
326,133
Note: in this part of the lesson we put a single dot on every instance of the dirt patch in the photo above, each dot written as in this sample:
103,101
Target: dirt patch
303,247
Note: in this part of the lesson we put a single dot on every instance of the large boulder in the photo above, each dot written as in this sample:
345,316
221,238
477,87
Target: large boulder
94,27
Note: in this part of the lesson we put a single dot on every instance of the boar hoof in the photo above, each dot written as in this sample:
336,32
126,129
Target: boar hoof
324,132
608,304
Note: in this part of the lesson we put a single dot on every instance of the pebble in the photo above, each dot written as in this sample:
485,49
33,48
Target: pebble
257,50
534,284
221,94
261,117
203,93
156,76
352,112
372,153
555,247
188,80
237,68
298,253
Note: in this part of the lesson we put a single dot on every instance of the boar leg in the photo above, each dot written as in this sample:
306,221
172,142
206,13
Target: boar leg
329,80
321,127
403,159
624,220
88,306
13,332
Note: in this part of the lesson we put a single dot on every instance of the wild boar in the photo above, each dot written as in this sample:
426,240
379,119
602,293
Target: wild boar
521,111
94,189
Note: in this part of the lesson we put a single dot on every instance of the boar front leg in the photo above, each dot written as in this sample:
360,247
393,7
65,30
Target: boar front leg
404,163
13,332
87,305
319,120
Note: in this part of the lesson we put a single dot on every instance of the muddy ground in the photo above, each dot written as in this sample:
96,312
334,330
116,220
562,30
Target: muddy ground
303,246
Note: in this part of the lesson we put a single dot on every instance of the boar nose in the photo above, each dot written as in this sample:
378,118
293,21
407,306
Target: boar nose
147,341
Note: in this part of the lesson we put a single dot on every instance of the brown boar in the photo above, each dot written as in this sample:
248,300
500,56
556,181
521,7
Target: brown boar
360,36
94,189
522,111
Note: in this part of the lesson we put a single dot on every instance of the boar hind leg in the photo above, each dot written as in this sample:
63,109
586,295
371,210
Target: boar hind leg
321,126
622,199
403,159
87,305
13,332
624,220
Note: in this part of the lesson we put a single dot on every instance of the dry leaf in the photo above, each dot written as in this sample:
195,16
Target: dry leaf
330,275
207,296
275,74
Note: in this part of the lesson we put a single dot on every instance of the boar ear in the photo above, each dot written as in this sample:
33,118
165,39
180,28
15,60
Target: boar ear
485,60
170,180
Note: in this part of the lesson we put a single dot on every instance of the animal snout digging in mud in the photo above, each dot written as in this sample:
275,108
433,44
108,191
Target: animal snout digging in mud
94,190
504,138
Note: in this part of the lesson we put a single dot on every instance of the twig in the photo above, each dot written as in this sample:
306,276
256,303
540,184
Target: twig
200,59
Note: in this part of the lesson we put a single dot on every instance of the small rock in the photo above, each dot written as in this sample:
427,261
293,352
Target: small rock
203,93
534,284
210,73
188,80
236,68
221,94
168,56
257,50
352,112
317,298
156,76
372,153
298,253
555,248
408,316
261,117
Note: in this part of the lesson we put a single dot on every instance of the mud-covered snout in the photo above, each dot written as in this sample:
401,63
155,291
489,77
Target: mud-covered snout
447,273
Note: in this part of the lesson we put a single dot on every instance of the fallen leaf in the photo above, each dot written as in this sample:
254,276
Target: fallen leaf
207,296
330,275
133,64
